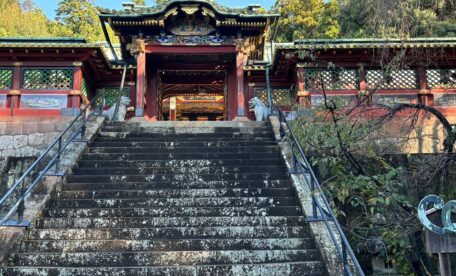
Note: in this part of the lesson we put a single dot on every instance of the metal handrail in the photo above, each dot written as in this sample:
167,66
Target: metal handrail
301,165
60,145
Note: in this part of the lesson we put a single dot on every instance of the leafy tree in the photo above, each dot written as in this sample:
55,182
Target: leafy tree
397,18
307,19
81,18
139,2
22,19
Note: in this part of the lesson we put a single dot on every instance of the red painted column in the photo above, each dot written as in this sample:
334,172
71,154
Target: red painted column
15,93
172,109
152,94
240,114
77,82
424,95
140,83
363,85
232,94
304,99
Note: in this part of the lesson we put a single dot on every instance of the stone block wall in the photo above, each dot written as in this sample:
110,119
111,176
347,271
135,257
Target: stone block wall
28,136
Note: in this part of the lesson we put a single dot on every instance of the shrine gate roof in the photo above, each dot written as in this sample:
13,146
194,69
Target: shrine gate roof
158,10
369,43
353,51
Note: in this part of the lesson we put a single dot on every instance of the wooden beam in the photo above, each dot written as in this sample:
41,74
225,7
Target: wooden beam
186,50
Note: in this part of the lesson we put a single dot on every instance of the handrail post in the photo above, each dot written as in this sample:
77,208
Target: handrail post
314,202
21,207
59,151
84,121
345,260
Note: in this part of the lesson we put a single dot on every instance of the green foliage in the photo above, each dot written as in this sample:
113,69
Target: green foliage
369,201
81,18
397,18
22,19
139,2
307,19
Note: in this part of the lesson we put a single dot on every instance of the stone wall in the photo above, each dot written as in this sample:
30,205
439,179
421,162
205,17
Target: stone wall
28,136
10,237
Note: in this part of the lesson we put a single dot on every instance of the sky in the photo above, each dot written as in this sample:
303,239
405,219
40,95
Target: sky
49,6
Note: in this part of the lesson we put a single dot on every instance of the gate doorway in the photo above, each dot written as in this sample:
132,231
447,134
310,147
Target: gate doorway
192,95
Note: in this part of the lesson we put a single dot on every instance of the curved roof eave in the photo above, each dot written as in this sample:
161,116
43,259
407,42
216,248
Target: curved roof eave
159,10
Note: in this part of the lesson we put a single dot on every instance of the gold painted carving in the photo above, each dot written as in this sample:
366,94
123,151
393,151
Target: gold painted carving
170,12
424,92
190,9
303,93
77,63
15,92
18,63
240,44
208,12
75,92
137,46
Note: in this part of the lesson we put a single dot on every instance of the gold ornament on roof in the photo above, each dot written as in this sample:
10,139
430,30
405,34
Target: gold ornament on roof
208,12
190,9
137,46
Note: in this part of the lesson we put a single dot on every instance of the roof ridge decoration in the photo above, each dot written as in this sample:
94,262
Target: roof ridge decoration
249,11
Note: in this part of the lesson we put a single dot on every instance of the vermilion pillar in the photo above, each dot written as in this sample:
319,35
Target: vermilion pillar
77,82
14,94
303,97
140,83
240,86
152,98
424,95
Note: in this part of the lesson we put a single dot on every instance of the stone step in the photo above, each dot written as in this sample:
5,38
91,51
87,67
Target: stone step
173,212
169,139
38,246
194,124
79,223
183,178
290,268
187,150
178,170
178,156
164,258
175,202
169,193
187,136
231,134
180,163
137,128
184,144
218,184
234,232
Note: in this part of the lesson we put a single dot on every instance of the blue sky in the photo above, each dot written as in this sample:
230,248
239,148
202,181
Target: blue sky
49,6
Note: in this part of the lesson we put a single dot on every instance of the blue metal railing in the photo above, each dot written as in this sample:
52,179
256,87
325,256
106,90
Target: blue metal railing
13,201
321,209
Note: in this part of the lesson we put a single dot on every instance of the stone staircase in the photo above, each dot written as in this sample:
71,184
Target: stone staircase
170,201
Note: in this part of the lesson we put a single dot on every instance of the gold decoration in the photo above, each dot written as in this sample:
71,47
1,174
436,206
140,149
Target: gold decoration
190,9
77,63
240,44
208,12
18,63
137,46
303,93
15,92
170,12
75,92
424,92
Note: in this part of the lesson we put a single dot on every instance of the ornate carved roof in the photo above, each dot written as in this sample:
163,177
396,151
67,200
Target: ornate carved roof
157,10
